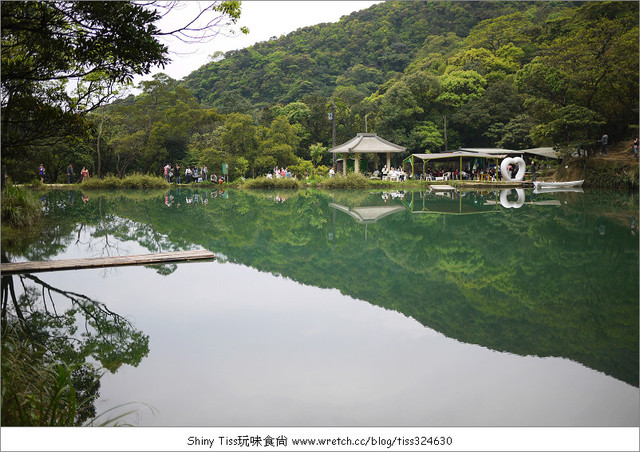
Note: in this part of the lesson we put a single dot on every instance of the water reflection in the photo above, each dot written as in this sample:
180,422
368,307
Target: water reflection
58,344
549,274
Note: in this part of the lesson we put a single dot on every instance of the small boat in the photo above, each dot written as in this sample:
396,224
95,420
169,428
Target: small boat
540,191
571,183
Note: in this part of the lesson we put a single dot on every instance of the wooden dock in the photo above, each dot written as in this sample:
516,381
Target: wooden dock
441,187
11,268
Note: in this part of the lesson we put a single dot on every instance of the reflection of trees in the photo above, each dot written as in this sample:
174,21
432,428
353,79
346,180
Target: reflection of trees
54,344
537,280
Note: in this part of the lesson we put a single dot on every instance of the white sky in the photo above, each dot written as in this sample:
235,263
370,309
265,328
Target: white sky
264,20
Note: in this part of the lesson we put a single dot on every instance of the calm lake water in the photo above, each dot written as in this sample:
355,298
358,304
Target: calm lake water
359,308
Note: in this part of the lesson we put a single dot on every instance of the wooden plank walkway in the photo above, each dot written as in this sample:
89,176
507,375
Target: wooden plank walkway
102,262
441,188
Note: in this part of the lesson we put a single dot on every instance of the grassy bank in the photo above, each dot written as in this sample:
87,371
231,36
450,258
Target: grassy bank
134,181
600,172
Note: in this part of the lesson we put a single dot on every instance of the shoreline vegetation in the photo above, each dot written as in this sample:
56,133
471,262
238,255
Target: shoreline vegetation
615,172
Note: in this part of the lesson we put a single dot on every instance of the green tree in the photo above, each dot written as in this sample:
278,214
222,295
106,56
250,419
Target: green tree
317,151
459,87
99,44
427,137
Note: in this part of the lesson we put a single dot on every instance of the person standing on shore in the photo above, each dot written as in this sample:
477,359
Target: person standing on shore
533,170
42,173
635,148
604,141
70,173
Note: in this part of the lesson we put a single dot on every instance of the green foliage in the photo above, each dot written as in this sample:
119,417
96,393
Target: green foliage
20,207
37,392
601,173
317,151
504,74
135,181
49,48
303,169
351,180
268,182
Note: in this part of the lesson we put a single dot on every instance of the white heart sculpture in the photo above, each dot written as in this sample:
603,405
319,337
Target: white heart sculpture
522,168
512,205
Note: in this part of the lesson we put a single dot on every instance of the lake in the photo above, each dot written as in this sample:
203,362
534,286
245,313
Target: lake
354,308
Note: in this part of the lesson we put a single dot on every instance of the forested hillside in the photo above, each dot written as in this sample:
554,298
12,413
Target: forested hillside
498,74
362,50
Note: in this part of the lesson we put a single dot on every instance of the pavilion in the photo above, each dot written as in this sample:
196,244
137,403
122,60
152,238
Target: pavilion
366,143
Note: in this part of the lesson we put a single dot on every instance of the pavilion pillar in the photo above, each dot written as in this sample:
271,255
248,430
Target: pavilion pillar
344,164
375,160
356,166
388,160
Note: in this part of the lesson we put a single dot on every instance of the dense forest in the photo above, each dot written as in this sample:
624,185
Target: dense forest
430,76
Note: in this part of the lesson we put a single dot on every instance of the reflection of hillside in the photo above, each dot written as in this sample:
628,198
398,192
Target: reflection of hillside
536,280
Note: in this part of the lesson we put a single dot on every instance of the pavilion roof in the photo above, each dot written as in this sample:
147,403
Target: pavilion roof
367,143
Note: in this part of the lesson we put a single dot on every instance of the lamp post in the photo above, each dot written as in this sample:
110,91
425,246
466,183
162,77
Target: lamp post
333,127
366,129
446,147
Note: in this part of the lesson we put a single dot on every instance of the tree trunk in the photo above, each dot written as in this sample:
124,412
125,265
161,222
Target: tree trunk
98,172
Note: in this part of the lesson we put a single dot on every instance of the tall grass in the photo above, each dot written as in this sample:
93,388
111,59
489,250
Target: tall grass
600,173
265,182
20,207
351,180
36,392
133,181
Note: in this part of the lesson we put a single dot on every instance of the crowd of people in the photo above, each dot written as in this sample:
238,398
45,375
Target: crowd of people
173,174
84,174
281,173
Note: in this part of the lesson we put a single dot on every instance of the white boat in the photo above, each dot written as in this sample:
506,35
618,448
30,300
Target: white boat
540,191
571,183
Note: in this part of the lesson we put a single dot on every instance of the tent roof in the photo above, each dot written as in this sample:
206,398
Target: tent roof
493,151
457,154
549,153
367,143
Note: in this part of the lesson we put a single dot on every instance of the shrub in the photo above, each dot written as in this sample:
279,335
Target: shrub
39,392
351,180
20,208
266,182
135,181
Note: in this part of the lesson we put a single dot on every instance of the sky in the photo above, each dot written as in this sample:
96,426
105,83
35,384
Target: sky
264,19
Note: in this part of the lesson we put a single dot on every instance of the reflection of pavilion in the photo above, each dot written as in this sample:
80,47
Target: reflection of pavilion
367,214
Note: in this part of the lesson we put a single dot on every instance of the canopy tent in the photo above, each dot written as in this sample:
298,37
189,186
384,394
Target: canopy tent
492,151
366,143
548,153
545,152
454,156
